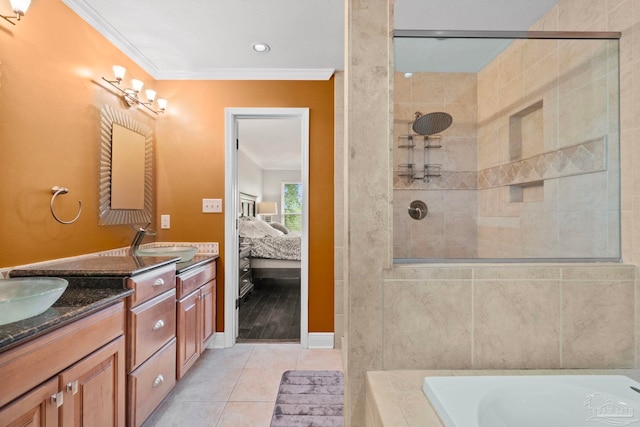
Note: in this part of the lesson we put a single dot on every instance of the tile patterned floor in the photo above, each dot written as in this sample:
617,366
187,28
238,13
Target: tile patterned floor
236,387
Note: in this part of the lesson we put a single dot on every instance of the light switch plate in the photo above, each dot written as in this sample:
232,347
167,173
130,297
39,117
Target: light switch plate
211,205
165,222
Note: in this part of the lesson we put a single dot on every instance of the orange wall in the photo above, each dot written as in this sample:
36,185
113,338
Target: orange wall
190,166
50,99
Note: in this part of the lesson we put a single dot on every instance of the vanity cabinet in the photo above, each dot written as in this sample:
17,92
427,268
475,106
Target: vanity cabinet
196,310
72,376
151,338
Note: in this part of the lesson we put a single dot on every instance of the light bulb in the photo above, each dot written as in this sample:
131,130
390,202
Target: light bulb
162,103
136,85
118,72
20,6
151,95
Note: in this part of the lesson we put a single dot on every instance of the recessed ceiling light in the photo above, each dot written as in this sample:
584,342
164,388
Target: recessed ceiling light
261,47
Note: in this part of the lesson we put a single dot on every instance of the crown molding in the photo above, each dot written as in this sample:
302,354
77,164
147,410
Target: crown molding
93,18
96,20
247,74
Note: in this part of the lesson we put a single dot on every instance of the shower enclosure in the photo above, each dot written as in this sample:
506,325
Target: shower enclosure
529,167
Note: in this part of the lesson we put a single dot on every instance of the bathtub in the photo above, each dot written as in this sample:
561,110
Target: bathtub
535,400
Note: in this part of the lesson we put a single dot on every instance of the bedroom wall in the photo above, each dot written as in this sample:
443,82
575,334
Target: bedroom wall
250,179
272,187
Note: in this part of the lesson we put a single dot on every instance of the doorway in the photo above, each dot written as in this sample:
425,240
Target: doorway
233,117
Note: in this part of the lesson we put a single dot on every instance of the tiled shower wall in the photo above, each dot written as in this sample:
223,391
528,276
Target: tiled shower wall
450,229
530,165
558,97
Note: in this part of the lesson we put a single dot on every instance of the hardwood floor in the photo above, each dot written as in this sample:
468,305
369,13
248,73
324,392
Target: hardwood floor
271,312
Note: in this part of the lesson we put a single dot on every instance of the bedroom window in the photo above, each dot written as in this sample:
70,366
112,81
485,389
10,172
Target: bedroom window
292,205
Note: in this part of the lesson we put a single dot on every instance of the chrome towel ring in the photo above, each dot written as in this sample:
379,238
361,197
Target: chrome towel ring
56,191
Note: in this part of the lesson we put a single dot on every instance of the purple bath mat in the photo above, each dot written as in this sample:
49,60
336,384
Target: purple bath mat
310,399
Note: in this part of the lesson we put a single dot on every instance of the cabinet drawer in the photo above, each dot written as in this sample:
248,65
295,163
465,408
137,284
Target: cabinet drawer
152,283
151,383
191,280
151,325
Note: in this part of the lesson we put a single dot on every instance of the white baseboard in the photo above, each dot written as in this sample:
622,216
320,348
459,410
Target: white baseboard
321,340
317,340
217,341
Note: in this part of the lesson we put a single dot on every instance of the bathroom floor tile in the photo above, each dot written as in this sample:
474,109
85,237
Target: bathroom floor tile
246,414
257,385
329,360
236,387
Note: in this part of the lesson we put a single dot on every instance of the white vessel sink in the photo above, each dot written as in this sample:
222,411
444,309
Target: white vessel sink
184,252
24,297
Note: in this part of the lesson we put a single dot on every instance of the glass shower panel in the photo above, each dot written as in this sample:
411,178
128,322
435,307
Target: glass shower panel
529,168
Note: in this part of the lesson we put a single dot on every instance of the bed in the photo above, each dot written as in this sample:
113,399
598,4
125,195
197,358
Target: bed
275,253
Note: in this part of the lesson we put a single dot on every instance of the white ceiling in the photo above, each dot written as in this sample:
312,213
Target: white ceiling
273,144
211,39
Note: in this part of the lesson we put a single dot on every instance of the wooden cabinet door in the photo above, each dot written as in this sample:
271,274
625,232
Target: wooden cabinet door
94,389
188,332
208,303
34,409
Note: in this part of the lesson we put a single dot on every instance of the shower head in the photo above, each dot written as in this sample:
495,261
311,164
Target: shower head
432,123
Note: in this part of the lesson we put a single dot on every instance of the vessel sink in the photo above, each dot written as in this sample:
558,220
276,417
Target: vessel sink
24,297
184,252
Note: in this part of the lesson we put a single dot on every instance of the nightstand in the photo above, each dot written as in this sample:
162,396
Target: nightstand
245,281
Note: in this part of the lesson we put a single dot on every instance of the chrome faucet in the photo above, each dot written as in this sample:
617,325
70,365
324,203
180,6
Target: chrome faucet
137,239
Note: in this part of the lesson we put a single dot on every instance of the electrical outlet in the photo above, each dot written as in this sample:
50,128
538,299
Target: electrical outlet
211,205
165,221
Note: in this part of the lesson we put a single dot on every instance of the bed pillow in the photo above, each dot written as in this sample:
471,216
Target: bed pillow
280,227
267,229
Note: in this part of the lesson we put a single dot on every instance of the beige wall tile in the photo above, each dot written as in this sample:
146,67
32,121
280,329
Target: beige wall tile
517,324
460,88
427,325
583,113
597,331
510,63
579,15
427,88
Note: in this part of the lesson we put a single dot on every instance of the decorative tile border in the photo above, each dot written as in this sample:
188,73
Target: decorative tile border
586,157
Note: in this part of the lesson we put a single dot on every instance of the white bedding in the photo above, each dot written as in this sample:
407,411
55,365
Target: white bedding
268,242
286,247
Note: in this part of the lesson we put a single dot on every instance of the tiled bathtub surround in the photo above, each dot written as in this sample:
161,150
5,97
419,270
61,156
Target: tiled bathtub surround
517,316
396,399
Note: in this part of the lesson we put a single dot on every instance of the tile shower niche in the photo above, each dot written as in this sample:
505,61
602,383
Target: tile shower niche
526,139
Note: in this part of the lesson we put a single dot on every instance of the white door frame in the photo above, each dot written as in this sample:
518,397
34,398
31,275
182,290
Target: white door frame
231,213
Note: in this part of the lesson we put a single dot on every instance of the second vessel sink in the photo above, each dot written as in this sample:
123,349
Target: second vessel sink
184,252
24,297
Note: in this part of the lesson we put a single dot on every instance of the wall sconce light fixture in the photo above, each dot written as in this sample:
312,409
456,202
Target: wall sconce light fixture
19,7
130,95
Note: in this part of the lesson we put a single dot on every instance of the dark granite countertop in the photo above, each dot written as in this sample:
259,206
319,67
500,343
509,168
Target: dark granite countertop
96,266
74,304
194,262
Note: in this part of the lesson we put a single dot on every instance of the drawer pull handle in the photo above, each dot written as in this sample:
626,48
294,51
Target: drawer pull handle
159,325
57,399
72,387
159,380
159,282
